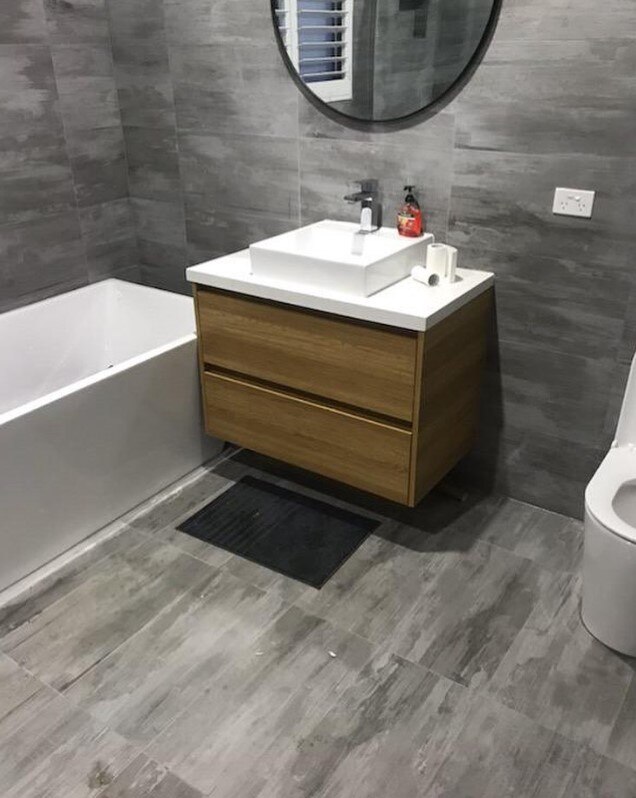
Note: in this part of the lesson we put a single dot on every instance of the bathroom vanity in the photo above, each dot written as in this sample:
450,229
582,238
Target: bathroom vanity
380,392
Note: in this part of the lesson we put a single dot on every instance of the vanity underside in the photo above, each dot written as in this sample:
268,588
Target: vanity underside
386,410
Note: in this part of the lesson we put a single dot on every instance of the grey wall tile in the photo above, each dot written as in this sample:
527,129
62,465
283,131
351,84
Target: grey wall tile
567,305
212,231
229,87
503,201
144,83
87,103
98,161
79,21
253,174
22,21
28,94
61,145
39,258
93,59
141,20
108,232
498,111
153,164
36,177
161,238
566,20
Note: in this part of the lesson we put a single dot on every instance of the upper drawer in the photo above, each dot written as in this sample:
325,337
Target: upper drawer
355,363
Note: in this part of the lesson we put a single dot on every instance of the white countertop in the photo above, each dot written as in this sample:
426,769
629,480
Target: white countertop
408,304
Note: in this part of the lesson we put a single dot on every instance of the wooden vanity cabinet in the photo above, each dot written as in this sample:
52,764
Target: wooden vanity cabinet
386,410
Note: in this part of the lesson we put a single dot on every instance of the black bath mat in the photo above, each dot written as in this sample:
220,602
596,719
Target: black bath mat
293,534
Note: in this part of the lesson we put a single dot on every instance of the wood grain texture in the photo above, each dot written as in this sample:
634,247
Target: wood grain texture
367,454
451,361
363,365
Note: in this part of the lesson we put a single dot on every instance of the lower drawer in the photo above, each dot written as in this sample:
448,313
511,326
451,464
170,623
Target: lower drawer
366,454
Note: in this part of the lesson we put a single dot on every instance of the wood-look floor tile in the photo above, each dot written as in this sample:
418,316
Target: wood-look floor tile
555,542
499,752
469,611
144,778
622,741
386,735
600,777
116,600
179,502
557,674
262,705
21,695
22,610
59,752
149,680
379,582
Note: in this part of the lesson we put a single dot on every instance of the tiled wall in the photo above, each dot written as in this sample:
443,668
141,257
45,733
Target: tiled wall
65,218
223,150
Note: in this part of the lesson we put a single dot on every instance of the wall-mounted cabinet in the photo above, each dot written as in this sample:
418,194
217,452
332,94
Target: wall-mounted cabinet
384,409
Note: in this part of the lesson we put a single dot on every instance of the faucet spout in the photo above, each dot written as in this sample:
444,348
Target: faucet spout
370,210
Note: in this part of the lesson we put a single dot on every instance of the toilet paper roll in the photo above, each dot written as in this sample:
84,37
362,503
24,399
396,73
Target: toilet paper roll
425,276
442,260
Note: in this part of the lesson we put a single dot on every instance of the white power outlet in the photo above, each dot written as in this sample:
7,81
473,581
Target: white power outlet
573,202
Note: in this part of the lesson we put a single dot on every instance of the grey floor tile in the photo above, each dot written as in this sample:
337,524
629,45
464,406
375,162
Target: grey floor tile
178,502
599,777
147,682
212,555
470,609
553,541
26,607
499,752
261,706
622,741
144,778
557,674
284,587
377,584
115,601
386,735
21,697
60,751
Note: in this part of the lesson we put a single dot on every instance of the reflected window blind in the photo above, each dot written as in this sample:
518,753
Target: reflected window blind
318,37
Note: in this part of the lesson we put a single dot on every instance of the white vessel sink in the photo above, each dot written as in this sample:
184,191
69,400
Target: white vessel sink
321,256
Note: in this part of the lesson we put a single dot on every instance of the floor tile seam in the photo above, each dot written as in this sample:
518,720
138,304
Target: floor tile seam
163,611
73,707
373,651
89,567
584,744
181,517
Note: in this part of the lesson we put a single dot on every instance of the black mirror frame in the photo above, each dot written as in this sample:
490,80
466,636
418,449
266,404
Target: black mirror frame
399,123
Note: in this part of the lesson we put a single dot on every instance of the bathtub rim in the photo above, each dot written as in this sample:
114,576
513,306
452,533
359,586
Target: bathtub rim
99,376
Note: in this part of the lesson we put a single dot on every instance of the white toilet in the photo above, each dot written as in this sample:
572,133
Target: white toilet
609,563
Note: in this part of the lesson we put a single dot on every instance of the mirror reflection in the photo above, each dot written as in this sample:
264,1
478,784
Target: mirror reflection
379,60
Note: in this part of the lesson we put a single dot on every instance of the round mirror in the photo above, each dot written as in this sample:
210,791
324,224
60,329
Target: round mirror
382,60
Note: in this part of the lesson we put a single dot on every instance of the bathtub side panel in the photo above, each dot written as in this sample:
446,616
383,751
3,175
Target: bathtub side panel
75,465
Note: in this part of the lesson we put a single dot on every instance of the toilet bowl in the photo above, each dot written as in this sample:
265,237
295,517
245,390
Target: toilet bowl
609,562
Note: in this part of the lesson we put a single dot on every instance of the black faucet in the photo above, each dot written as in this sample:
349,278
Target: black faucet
369,198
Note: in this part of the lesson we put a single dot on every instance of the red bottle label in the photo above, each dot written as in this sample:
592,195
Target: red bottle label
409,223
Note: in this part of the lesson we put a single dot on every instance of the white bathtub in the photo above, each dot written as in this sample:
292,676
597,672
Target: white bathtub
99,409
